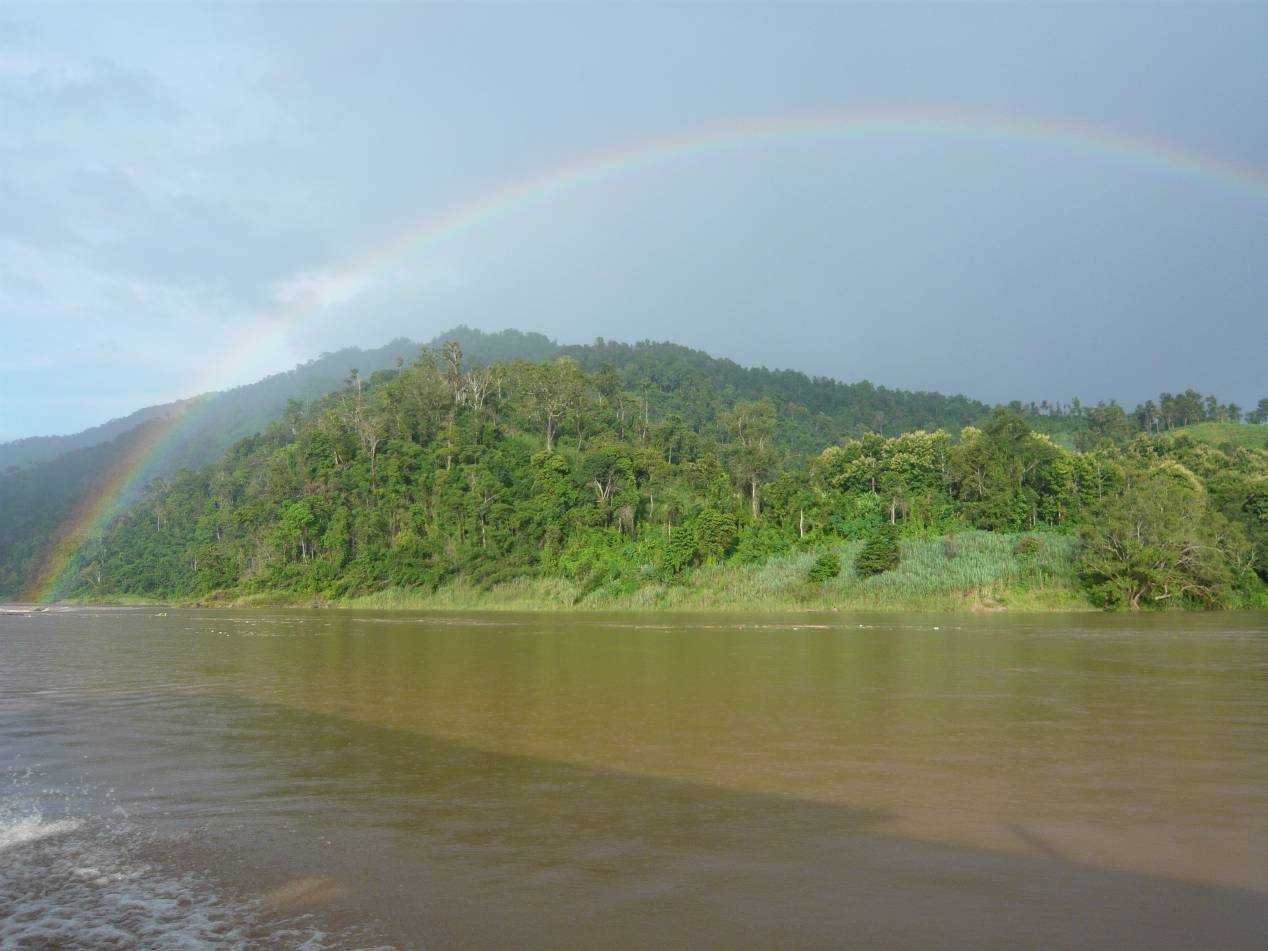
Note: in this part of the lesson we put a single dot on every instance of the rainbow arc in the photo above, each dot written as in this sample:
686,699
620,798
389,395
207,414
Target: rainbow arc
1150,156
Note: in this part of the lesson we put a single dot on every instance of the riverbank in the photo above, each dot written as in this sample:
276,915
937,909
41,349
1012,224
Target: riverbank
977,572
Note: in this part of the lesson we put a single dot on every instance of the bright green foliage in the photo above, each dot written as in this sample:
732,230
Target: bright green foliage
716,533
1161,541
1028,546
680,551
1244,435
826,567
641,480
880,553
426,476
1001,472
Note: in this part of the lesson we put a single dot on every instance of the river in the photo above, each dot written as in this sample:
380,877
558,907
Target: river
304,779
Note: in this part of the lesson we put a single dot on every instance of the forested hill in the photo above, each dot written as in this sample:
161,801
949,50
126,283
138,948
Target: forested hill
665,404
225,416
823,408
35,503
813,411
445,473
36,499
21,453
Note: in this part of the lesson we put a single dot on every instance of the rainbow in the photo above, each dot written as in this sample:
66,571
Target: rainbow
128,476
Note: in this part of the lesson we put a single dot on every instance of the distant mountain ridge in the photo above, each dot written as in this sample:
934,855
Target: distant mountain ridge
32,450
243,410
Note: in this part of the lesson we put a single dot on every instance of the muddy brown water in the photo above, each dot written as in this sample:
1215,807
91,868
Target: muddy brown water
356,779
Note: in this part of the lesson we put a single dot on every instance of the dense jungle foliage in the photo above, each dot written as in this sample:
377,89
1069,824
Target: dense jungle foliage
633,467
47,479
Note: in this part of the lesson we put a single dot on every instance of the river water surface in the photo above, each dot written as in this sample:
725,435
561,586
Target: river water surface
347,780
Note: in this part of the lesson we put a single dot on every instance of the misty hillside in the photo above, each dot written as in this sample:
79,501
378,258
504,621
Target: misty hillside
225,416
35,502
31,450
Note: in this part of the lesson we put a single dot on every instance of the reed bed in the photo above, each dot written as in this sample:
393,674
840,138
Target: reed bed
973,571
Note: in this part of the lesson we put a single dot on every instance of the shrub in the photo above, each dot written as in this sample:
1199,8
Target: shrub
756,545
1028,546
679,552
879,554
950,546
826,567
715,534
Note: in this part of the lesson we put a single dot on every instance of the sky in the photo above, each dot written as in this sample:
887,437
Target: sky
195,195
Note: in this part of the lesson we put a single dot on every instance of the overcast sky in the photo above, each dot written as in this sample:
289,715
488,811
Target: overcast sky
177,182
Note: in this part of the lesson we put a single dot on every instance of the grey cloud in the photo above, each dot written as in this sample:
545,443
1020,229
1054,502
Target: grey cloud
169,168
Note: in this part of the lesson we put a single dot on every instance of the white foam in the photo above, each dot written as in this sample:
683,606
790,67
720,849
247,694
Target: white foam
67,884
24,829
83,883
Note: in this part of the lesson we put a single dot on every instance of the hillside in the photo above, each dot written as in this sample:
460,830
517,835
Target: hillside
1243,435
23,453
35,502
224,417
824,409
814,411
657,433
543,483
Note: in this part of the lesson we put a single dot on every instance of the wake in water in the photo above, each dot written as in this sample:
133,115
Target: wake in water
74,882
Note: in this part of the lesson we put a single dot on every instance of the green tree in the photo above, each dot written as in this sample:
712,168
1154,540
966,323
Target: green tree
826,567
997,472
752,459
715,534
551,390
880,553
1158,543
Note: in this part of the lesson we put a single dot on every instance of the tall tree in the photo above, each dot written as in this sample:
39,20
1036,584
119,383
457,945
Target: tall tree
1159,543
751,425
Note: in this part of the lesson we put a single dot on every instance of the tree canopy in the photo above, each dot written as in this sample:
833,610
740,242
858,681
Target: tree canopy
447,470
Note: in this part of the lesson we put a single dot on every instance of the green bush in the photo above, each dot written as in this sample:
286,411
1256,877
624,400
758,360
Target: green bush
716,533
1028,546
826,567
879,554
756,545
679,552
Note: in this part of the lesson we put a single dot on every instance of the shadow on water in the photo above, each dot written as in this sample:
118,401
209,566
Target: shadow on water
450,846
533,782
